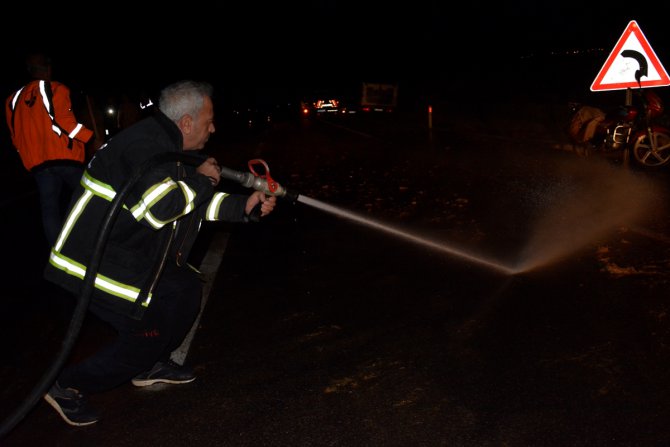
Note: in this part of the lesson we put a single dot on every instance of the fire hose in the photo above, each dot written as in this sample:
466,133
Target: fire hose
260,182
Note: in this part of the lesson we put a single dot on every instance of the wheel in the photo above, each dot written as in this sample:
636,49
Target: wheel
645,154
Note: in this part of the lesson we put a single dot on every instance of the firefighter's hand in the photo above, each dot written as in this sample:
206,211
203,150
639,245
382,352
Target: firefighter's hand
211,169
267,203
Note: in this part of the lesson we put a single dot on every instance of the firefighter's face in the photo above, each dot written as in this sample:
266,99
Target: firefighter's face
196,130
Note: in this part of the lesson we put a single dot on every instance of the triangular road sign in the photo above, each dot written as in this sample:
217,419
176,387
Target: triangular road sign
631,60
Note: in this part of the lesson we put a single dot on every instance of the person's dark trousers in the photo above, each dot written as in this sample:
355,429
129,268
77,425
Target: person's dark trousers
140,344
55,185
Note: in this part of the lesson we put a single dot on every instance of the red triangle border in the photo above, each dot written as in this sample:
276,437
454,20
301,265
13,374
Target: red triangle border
649,53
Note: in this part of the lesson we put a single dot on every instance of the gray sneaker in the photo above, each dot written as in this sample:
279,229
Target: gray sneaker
165,372
71,405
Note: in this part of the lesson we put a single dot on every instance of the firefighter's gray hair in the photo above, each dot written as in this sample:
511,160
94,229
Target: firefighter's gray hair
184,98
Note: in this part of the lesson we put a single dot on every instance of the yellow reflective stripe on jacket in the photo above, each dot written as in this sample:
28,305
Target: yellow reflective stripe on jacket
214,206
97,187
141,210
156,193
190,197
153,195
72,218
101,282
71,267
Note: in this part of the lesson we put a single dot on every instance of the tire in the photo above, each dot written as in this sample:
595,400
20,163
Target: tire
646,156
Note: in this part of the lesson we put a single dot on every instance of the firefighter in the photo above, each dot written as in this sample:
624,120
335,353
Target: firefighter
145,287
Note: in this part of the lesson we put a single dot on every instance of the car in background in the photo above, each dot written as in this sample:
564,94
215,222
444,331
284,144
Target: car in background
319,107
326,106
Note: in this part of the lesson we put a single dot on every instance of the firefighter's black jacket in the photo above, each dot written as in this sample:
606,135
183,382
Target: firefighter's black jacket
158,222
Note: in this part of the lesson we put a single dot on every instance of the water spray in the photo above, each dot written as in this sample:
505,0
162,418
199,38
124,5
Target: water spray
468,256
264,182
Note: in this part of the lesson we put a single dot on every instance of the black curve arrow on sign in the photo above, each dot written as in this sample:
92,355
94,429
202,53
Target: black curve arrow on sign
641,60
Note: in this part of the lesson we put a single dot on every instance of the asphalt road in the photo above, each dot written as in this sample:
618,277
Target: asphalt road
458,290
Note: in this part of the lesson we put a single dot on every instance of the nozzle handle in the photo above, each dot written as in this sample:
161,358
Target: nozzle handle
251,180
255,214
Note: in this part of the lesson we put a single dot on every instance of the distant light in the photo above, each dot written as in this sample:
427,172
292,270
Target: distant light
110,111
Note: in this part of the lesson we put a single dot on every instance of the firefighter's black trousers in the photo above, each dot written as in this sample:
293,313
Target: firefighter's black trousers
140,343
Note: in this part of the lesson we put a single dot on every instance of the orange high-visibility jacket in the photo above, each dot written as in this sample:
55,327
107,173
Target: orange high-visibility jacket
43,126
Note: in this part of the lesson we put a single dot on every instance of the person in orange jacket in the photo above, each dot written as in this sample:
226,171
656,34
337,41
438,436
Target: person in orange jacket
49,139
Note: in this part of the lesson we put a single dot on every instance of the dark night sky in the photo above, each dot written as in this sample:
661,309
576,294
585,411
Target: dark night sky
318,42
